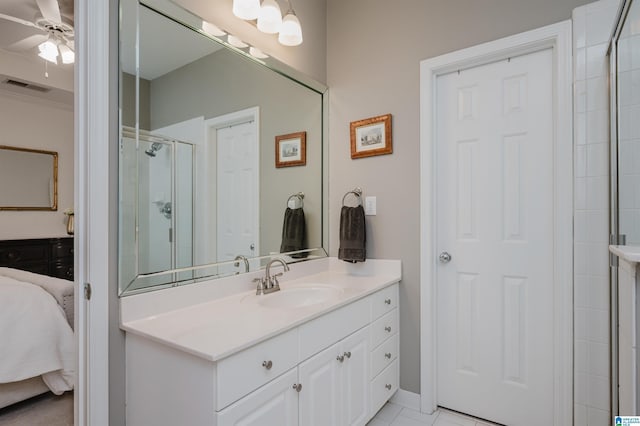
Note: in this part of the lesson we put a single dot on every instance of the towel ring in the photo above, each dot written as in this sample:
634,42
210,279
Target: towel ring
357,192
299,196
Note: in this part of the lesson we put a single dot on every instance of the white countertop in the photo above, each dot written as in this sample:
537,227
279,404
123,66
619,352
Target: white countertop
218,327
628,253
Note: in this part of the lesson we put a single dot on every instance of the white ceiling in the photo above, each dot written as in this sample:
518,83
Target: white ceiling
26,65
164,45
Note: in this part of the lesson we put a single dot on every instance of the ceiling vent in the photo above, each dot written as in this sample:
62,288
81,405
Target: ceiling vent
26,85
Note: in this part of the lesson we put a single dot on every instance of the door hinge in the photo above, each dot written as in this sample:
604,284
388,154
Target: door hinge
87,291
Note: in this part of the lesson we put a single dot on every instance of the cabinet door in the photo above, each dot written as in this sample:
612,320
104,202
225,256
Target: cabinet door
321,394
356,378
274,404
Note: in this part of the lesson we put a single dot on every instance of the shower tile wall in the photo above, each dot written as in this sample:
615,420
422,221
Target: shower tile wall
592,26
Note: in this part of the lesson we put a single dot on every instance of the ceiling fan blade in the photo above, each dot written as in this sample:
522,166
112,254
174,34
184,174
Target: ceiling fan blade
28,43
50,10
19,21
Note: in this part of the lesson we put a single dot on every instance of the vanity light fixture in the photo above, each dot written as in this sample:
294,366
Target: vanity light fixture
236,42
209,28
270,17
291,31
270,20
257,53
246,9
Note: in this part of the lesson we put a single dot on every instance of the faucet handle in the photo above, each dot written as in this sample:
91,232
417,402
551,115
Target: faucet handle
274,279
261,286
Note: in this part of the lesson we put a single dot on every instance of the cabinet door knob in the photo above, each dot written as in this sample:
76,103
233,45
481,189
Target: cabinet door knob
297,387
388,386
340,358
388,329
267,364
347,354
388,355
387,301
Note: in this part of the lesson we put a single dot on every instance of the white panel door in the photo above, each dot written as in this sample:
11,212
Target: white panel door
495,219
237,192
274,404
355,350
321,394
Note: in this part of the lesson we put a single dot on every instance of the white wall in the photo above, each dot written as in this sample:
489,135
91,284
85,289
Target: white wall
39,124
592,28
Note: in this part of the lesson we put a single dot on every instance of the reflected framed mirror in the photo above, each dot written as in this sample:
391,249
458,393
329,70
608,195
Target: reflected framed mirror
28,179
200,194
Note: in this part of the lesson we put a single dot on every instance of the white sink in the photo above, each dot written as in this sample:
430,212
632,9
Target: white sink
297,297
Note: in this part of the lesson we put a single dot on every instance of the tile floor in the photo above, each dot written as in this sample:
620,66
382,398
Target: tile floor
396,415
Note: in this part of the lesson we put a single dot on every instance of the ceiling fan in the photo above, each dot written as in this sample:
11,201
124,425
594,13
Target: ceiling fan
55,37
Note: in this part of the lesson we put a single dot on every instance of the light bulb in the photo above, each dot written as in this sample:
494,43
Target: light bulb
246,9
48,51
291,31
68,56
270,17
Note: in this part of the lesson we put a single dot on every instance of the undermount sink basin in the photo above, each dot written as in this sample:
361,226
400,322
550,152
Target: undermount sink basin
298,297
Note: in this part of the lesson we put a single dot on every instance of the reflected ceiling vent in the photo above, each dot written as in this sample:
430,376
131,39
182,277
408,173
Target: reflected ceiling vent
25,85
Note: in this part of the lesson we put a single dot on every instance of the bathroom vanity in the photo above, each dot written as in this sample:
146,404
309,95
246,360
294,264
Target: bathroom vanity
322,351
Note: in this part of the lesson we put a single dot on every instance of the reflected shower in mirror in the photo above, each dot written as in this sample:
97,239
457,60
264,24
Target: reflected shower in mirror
199,186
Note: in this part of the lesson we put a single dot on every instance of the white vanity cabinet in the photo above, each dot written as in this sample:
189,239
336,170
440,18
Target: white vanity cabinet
336,383
336,369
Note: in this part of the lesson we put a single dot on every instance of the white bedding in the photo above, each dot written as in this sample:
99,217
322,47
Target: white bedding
35,337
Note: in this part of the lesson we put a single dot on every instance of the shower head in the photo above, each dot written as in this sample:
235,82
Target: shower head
155,147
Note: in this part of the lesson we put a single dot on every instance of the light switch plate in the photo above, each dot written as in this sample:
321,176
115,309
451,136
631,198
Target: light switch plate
370,206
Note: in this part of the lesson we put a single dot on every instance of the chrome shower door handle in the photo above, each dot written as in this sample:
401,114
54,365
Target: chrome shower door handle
444,257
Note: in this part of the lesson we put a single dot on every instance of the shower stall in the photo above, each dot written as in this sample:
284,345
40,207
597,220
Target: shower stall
157,214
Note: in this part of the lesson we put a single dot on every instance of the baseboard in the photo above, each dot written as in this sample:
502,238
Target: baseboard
407,399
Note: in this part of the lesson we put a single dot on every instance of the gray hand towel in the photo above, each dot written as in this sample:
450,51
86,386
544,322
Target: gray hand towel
294,232
352,235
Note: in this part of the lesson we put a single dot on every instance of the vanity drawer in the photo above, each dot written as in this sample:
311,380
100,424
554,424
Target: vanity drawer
326,330
384,355
384,386
384,328
240,374
384,301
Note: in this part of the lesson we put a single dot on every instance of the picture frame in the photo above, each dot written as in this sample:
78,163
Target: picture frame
371,136
291,150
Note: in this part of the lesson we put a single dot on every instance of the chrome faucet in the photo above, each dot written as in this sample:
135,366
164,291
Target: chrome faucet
269,283
245,260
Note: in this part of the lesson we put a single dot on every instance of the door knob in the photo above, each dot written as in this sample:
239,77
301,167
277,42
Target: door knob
444,257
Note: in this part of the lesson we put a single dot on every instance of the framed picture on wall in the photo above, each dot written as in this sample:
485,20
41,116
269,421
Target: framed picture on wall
371,136
291,149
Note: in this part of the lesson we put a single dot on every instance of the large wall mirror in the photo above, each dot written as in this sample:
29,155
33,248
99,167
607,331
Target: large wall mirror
200,193
28,179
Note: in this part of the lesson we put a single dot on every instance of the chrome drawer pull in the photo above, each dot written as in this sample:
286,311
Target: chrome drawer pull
267,364
387,301
340,358
297,387
347,354
388,329
388,355
388,386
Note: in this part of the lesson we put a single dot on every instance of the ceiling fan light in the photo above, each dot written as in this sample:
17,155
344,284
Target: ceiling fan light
246,9
48,51
291,31
68,56
270,17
